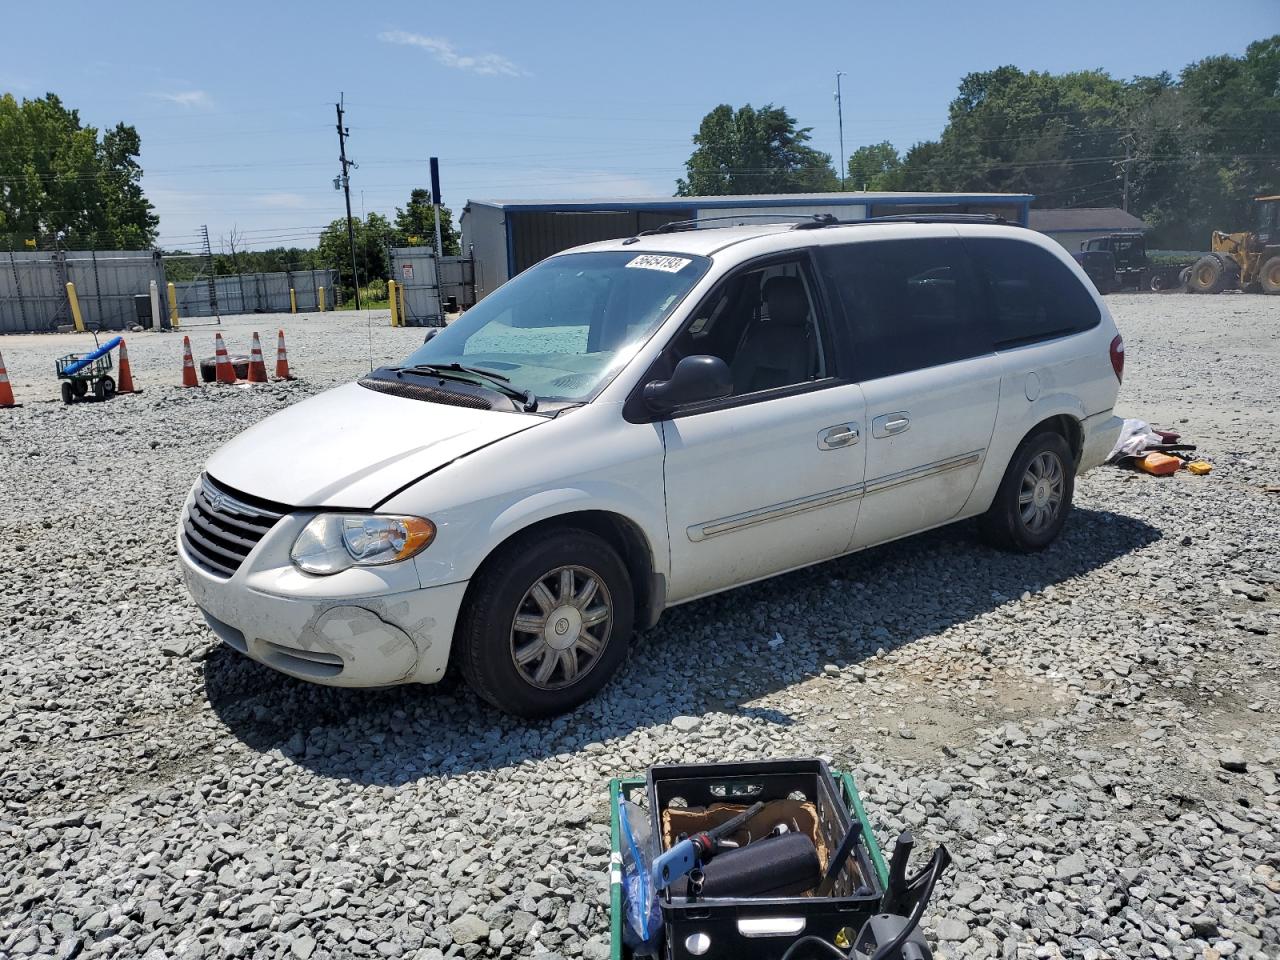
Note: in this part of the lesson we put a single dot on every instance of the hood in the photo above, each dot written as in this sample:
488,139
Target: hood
353,447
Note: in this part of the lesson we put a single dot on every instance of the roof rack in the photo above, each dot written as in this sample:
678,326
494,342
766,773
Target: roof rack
827,220
676,226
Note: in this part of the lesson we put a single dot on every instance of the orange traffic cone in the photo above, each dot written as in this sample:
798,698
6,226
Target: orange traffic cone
6,391
226,372
282,359
124,383
188,365
257,367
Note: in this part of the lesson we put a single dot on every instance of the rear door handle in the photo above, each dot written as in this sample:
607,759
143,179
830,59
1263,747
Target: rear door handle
891,424
841,435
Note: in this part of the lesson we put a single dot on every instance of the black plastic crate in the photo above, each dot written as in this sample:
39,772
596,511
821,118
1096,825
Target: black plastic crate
760,928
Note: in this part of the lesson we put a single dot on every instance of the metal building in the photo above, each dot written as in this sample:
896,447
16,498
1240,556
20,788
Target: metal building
506,236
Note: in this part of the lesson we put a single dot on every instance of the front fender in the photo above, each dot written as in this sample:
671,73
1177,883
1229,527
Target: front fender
469,535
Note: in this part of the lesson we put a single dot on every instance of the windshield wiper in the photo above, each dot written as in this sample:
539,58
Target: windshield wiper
496,380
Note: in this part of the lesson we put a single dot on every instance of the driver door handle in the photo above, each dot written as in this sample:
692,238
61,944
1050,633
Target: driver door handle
841,435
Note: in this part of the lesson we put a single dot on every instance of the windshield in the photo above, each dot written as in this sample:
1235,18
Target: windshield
562,328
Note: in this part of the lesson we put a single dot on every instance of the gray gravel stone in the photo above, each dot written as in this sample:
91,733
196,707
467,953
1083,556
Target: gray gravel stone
161,794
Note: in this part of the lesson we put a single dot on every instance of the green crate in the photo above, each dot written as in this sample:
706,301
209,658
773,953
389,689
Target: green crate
618,789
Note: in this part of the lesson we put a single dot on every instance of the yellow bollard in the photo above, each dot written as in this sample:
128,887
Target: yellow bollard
320,298
75,306
395,304
173,306
293,301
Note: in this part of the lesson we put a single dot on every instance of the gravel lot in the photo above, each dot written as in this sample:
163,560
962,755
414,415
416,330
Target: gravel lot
1092,731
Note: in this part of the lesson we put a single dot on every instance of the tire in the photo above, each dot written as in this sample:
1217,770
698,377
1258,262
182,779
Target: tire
1211,274
1269,276
99,390
108,388
81,388
488,639
1041,465
68,393
209,368
1157,282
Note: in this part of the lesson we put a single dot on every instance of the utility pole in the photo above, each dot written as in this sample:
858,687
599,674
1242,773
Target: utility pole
1127,140
435,199
346,189
840,118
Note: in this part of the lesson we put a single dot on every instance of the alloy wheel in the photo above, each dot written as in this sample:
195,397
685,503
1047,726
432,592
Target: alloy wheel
1040,496
561,627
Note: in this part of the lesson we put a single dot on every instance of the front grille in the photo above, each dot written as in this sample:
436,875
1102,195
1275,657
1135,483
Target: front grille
222,526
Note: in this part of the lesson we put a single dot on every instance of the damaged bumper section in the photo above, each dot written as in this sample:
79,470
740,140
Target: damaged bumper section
360,628
376,641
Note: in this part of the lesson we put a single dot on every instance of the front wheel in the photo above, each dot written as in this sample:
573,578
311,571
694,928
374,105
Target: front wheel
547,623
1034,498
1269,276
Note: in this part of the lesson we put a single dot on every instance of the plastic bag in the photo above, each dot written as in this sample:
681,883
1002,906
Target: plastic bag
642,930
1135,437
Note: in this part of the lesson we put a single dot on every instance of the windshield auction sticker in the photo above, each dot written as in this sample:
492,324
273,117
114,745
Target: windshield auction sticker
651,261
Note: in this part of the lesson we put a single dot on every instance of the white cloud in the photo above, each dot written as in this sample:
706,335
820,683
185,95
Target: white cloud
282,200
188,98
489,64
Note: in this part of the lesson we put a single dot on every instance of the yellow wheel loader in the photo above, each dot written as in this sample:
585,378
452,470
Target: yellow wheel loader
1246,261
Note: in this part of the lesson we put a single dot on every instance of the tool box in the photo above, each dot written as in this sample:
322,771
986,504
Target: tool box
760,927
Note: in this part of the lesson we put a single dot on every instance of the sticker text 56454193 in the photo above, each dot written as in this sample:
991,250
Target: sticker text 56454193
653,261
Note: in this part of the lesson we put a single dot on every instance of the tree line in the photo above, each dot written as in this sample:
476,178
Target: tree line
413,225
1187,154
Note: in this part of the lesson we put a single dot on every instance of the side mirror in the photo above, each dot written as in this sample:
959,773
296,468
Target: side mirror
694,380
432,332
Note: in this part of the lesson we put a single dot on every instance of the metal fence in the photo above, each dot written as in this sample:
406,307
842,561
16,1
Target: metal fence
428,284
33,287
257,292
111,287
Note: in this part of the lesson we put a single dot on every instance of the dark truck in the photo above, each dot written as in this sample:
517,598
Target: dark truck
1119,262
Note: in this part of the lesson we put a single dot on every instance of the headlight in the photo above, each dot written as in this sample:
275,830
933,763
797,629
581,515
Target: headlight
332,542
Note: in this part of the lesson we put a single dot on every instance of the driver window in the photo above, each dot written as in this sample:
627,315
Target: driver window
763,325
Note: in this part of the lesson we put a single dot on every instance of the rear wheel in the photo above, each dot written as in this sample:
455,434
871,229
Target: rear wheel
1269,276
108,388
1035,495
68,393
547,623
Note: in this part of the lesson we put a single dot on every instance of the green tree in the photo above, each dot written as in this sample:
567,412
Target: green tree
874,167
374,236
1197,148
416,224
62,182
754,151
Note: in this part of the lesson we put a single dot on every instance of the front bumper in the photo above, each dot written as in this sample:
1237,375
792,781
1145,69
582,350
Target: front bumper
374,628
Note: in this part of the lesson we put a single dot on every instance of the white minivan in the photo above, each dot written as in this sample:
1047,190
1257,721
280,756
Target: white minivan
633,424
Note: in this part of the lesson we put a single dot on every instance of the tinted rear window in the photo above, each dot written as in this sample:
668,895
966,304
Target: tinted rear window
1033,295
909,304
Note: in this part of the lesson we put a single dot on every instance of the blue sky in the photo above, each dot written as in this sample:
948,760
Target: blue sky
234,101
